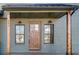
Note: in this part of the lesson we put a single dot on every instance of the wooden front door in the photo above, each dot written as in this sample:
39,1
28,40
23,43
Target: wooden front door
34,36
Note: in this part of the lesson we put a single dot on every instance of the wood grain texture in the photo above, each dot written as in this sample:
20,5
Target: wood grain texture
8,32
69,42
34,37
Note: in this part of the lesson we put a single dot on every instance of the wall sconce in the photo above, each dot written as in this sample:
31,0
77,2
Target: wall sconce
19,22
49,21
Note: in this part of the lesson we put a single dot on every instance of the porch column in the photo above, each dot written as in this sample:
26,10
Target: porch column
8,32
69,43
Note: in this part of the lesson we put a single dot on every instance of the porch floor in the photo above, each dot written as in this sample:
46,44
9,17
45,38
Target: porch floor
40,53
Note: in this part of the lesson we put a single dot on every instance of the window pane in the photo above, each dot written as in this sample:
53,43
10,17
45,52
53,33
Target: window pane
32,27
47,38
47,29
19,38
19,29
46,41
36,27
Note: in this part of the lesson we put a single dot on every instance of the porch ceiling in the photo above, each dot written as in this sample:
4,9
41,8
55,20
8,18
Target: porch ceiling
38,15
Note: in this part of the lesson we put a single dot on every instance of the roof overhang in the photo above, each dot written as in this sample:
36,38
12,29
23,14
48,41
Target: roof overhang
57,10
40,6
1,13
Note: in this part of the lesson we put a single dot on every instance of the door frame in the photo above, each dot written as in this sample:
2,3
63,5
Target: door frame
35,22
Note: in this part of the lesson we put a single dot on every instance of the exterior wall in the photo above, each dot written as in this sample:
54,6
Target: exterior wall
59,46
75,32
3,35
0,36
24,47
60,36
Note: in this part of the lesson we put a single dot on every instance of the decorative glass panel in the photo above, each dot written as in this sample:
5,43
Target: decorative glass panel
19,33
19,38
36,26
32,26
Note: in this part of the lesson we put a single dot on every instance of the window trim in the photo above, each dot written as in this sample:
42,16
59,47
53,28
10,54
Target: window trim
49,34
20,34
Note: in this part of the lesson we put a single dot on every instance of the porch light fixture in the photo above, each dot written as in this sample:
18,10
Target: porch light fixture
19,22
49,21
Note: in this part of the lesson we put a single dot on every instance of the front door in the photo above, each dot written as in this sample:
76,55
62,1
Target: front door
34,36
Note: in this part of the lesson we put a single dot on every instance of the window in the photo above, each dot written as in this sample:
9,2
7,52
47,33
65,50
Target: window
49,33
19,33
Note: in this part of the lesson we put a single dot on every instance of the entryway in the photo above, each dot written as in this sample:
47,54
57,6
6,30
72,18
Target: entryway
34,36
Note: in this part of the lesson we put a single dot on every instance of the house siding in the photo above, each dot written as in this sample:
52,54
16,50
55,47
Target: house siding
3,36
60,36
0,36
75,32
